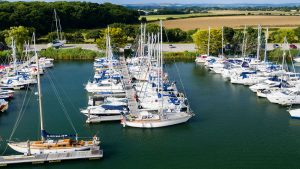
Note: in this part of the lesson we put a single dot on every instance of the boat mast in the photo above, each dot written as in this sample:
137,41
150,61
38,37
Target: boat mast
39,90
56,23
243,44
283,56
266,44
258,42
222,41
161,67
60,30
208,42
14,55
141,40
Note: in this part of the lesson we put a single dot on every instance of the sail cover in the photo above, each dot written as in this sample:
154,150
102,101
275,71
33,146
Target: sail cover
45,134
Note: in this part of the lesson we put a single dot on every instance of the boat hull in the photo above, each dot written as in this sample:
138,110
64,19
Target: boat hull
155,123
22,148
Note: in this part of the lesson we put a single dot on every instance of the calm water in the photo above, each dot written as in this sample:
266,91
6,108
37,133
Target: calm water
232,127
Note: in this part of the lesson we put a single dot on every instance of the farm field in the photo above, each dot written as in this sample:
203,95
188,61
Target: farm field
216,13
233,21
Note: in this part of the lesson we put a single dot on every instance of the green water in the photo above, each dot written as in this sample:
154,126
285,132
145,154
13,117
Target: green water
232,127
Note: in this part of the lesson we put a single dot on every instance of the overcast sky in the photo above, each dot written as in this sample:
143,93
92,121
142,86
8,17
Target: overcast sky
190,1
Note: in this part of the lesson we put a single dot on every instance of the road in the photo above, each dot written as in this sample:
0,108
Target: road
166,47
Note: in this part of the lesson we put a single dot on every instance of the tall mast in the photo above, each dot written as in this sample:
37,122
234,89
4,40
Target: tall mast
161,66
56,23
141,40
208,42
244,41
60,30
258,42
266,44
14,55
222,41
39,90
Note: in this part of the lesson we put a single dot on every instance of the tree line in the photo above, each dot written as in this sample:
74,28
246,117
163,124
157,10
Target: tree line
72,15
234,39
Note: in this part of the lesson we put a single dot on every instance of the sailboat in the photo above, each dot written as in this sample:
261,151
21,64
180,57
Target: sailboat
203,58
108,81
163,117
49,144
59,42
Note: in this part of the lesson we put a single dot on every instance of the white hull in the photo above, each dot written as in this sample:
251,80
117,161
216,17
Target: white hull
295,113
98,119
297,60
155,123
260,94
102,112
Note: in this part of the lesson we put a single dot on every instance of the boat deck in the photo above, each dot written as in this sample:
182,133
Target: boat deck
130,91
94,153
104,118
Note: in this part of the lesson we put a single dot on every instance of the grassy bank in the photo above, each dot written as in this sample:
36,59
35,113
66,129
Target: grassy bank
70,54
180,56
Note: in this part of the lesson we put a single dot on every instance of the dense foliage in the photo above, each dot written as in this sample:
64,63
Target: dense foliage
70,54
72,15
182,56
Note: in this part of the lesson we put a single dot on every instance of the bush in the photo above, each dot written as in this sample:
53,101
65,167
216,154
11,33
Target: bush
4,56
276,55
70,54
180,56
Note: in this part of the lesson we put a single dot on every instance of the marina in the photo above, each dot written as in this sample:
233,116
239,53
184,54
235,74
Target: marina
143,95
213,133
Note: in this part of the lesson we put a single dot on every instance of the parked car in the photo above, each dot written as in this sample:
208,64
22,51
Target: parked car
172,46
275,46
3,47
292,46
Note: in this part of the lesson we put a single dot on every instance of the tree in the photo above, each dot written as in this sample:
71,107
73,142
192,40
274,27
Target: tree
143,19
20,35
189,34
117,36
153,28
228,34
278,36
237,42
297,33
200,39
130,30
72,15
93,34
176,35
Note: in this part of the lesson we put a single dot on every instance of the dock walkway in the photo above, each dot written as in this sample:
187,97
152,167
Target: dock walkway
94,153
130,91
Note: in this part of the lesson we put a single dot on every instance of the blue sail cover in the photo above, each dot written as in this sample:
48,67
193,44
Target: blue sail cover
245,64
45,134
113,107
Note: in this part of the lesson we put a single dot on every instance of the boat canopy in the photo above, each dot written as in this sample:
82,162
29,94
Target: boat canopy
45,134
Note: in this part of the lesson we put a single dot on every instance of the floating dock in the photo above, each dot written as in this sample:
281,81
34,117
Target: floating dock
130,91
94,153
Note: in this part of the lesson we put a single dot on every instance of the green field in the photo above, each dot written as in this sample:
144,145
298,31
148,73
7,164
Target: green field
217,13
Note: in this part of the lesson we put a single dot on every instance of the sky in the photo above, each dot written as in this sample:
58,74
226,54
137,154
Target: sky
189,1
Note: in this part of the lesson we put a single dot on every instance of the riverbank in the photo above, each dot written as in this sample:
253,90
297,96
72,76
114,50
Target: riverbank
180,56
70,54
88,54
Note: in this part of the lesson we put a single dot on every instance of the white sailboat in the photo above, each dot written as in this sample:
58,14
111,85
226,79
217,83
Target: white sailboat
47,145
59,42
205,57
162,117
